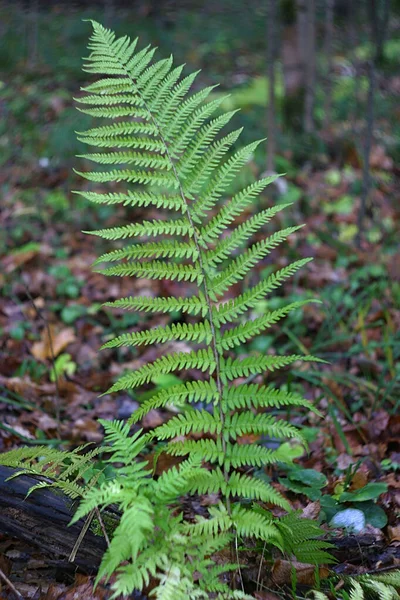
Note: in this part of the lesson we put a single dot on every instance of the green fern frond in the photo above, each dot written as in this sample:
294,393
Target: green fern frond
250,524
192,305
131,198
240,235
197,332
156,270
177,395
228,311
222,178
246,331
239,267
261,396
165,249
230,455
195,421
147,228
252,365
201,359
260,424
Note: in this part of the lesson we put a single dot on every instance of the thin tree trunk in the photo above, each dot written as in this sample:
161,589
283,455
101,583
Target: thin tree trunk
353,42
271,65
329,8
109,13
310,66
369,131
33,32
379,24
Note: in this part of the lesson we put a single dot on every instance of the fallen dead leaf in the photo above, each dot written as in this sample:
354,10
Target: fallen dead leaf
305,573
359,480
311,511
59,340
266,596
394,533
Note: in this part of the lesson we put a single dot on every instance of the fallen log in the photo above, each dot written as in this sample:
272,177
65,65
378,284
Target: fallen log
42,519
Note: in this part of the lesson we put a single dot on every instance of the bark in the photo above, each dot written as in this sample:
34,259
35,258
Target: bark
329,11
379,19
310,66
271,66
42,519
293,59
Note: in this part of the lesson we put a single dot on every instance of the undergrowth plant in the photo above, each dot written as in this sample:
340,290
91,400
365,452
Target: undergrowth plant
167,145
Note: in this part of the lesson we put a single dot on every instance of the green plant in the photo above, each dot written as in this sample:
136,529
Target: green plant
169,145
379,586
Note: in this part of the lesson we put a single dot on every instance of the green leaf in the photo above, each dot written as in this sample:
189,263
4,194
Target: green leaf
312,493
309,477
371,491
374,514
63,365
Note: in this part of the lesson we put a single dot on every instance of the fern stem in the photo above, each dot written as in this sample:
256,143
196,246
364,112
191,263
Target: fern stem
205,287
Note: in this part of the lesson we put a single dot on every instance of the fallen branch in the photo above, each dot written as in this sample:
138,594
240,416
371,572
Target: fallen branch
42,519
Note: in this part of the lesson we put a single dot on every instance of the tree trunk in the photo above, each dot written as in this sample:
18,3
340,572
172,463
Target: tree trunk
271,65
379,19
329,11
310,65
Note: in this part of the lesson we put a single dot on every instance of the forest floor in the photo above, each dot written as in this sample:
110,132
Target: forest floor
52,324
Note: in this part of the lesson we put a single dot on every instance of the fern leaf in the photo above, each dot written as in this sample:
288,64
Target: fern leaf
156,270
246,331
135,198
247,422
250,524
201,359
195,421
239,267
232,455
256,396
230,310
192,391
147,228
163,249
192,305
233,209
233,368
222,179
239,236
197,332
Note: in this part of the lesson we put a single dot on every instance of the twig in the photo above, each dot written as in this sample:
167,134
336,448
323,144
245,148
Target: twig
238,563
259,568
103,529
78,542
4,577
53,358
85,527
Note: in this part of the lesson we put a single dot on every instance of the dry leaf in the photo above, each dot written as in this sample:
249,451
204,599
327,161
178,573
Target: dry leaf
305,573
311,511
59,340
266,596
394,533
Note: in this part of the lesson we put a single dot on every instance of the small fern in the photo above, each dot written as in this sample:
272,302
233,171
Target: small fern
363,587
168,145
